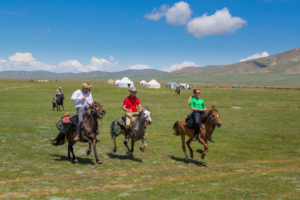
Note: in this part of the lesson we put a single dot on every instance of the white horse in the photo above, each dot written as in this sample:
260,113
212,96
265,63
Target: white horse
136,131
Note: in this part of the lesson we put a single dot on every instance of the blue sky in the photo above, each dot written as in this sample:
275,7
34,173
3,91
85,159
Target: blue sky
112,35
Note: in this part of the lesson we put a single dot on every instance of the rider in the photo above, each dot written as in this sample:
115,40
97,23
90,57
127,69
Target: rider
83,100
59,92
129,106
198,108
191,115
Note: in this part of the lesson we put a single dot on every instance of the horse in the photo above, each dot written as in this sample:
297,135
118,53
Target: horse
177,91
136,131
60,102
209,122
88,132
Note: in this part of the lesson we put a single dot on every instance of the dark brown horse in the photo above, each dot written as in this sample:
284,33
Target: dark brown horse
88,132
209,122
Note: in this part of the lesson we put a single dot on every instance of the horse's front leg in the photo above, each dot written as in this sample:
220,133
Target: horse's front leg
203,153
88,152
145,145
63,106
95,152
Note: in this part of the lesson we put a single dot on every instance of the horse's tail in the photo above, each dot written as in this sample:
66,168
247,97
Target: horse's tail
59,140
176,128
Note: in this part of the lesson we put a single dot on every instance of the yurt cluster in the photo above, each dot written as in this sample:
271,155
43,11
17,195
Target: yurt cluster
125,82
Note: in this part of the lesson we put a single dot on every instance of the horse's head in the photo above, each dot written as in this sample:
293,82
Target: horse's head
146,115
98,110
215,116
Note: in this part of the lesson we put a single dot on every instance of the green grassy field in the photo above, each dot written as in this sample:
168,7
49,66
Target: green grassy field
256,154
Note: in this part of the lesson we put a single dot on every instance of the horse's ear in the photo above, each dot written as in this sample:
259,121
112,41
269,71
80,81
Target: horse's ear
213,107
146,108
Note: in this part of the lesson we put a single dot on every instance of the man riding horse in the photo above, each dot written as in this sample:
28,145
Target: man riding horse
129,106
59,92
83,100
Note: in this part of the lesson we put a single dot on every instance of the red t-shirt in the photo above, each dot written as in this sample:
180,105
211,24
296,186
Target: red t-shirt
131,103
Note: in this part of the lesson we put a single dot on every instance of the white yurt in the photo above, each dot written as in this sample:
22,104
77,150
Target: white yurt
143,82
171,85
125,83
110,82
153,84
184,86
117,81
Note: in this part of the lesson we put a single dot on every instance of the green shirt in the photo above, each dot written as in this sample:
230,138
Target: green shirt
197,103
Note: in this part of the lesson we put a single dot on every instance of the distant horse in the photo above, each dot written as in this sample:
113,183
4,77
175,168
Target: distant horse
60,102
209,122
177,91
136,131
88,132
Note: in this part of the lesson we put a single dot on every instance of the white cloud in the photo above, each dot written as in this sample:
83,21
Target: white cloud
22,61
255,56
220,22
139,66
157,13
101,64
26,62
179,13
70,66
179,66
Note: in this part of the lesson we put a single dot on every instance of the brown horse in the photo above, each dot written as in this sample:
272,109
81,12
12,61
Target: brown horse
209,122
88,132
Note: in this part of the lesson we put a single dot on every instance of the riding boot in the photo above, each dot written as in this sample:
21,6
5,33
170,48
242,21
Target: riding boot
211,140
195,137
76,138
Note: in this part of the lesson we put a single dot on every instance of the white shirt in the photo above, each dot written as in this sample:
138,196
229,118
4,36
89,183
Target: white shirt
78,94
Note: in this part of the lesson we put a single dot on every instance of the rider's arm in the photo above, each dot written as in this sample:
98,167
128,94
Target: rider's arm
90,100
76,96
124,106
125,109
140,107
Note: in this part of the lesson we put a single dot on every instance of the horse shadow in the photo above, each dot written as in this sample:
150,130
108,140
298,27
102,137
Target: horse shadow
124,157
83,161
195,162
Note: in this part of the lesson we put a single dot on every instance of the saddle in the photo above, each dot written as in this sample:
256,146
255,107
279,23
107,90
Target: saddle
189,121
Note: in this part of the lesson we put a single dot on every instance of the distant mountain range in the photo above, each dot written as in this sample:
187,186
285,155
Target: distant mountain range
84,75
277,70
283,63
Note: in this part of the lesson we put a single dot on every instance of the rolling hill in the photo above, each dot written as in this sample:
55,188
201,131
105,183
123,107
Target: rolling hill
277,70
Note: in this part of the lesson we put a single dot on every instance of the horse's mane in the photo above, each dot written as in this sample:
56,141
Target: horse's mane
205,117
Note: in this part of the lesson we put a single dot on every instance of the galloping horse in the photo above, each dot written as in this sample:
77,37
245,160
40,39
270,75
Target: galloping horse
136,131
209,122
88,132
60,102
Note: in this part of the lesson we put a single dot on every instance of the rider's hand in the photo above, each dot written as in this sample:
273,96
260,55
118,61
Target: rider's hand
83,98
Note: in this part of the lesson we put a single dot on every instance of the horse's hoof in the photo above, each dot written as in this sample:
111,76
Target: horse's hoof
75,160
114,150
202,156
142,149
88,152
130,154
192,156
199,151
99,162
